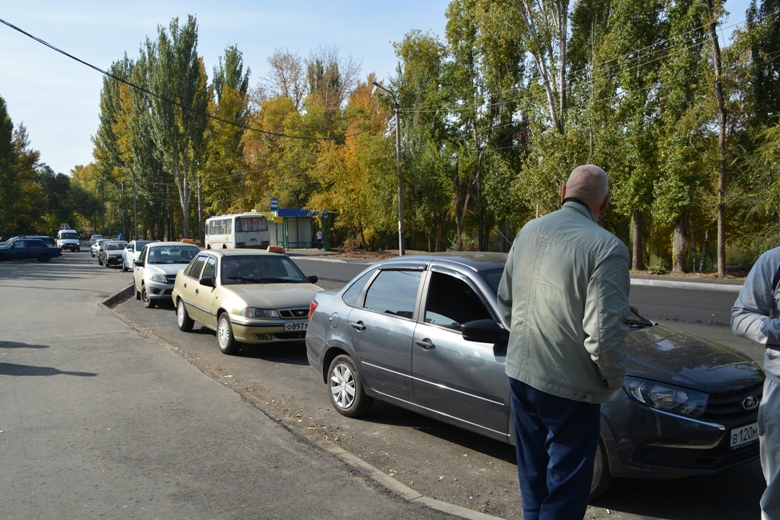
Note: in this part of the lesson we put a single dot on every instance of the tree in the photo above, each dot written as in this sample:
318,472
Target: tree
179,115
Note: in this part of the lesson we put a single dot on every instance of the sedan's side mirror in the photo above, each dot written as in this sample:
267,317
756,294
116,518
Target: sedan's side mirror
207,281
312,279
484,331
138,263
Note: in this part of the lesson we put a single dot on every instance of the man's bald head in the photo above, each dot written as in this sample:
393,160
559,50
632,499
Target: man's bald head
590,184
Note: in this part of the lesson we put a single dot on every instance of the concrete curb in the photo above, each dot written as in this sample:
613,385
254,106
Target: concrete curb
678,284
370,472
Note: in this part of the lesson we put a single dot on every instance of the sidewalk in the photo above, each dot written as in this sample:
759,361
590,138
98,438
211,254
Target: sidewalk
97,420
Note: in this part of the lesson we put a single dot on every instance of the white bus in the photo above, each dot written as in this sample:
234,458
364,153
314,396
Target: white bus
245,230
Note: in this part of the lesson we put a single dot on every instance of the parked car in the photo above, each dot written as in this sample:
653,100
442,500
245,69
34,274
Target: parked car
131,253
246,296
110,253
155,270
93,239
22,248
424,333
95,248
68,239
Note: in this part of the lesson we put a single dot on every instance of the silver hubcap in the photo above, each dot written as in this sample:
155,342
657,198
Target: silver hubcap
181,314
342,386
222,333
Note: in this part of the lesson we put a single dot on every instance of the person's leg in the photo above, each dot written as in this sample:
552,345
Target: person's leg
573,436
769,437
532,458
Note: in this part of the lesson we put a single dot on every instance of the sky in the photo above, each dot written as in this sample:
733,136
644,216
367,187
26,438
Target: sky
58,99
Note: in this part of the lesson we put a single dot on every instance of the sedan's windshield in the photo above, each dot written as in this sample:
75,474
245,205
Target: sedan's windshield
172,254
260,269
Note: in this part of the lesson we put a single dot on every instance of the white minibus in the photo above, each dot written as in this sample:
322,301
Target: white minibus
245,230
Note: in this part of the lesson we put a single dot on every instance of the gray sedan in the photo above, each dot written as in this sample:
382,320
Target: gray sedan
423,333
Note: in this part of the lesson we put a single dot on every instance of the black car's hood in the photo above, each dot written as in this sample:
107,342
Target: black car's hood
667,355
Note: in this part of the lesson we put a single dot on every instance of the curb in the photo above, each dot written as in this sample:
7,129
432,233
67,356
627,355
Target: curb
676,284
370,472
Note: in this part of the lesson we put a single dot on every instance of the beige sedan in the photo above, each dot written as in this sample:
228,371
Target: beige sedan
246,296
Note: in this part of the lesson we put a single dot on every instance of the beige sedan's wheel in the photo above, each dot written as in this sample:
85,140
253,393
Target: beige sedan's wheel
183,318
227,343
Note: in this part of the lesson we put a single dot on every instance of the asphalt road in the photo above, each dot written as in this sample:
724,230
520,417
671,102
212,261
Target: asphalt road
437,460
99,419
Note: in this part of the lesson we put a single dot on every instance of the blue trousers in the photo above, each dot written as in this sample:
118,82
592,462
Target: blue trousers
556,441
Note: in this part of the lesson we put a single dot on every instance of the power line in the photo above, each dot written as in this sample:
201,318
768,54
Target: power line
170,101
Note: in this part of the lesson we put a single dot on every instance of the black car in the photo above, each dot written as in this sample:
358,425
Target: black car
424,333
110,253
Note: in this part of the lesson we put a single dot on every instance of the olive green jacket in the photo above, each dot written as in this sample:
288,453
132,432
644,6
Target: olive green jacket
564,297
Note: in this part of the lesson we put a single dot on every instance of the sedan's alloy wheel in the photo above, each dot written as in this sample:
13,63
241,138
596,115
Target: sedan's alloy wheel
342,386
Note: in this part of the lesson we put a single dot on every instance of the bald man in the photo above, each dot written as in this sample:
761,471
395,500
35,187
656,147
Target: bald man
564,296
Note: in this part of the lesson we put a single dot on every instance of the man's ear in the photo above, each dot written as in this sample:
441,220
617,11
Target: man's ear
563,192
604,204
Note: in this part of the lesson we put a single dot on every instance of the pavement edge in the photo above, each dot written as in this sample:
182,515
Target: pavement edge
379,477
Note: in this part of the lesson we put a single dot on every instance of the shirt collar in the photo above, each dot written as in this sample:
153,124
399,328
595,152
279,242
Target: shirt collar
579,206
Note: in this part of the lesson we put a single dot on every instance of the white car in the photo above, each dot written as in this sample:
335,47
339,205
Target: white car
93,239
94,249
131,253
155,270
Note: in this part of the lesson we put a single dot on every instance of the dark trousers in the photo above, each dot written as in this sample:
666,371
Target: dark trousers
556,441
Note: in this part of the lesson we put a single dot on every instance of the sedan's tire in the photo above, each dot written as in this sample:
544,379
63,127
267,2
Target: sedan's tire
44,257
78,249
602,478
148,302
183,318
99,262
346,388
92,253
227,343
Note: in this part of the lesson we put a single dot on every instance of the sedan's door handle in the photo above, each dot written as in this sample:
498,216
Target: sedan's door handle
357,325
425,343
197,291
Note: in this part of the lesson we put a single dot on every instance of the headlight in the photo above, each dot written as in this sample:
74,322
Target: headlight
252,312
668,398
158,278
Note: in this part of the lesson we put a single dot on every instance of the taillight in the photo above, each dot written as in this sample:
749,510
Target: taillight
312,308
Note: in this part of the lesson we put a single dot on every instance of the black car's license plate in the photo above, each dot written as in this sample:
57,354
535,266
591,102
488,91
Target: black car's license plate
744,435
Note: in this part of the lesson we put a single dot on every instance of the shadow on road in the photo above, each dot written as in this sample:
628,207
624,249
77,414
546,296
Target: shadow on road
11,369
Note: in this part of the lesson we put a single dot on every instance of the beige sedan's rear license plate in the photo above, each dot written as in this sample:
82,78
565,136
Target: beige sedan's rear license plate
744,435
295,327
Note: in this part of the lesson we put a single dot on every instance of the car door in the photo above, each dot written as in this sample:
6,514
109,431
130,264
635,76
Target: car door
461,379
138,271
33,248
381,331
127,254
203,298
188,284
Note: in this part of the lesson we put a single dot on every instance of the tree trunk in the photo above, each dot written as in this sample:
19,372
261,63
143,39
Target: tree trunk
680,245
637,225
721,144
703,261
694,264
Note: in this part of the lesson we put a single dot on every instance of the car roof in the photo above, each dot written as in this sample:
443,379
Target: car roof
167,244
242,252
474,260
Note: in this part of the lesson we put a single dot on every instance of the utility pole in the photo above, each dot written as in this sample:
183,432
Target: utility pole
401,249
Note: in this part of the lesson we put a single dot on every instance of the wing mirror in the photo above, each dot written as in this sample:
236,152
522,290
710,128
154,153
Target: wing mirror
138,263
207,281
484,331
312,279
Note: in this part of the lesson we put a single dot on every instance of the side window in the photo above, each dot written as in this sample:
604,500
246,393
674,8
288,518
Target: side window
452,302
211,268
394,292
350,296
195,266
143,253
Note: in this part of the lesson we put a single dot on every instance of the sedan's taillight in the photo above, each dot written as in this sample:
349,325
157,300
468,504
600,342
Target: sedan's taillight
312,308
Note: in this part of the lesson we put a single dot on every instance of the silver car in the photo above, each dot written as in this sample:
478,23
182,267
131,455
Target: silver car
424,333
155,270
